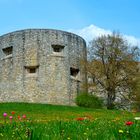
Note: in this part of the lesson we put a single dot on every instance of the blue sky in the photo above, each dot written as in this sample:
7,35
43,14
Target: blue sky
72,15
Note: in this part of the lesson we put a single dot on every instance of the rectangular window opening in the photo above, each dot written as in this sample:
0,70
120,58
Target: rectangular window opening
8,51
57,48
31,70
74,72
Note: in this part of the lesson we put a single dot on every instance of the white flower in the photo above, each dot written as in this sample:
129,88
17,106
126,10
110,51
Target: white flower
137,118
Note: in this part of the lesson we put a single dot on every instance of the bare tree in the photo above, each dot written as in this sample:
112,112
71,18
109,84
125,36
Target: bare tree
113,64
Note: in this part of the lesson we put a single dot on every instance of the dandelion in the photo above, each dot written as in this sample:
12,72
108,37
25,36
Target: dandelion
120,131
117,118
129,123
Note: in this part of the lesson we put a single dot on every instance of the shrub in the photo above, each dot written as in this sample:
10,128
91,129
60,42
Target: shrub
88,100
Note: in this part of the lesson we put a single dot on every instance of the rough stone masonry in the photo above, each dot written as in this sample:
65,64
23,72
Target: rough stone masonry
42,66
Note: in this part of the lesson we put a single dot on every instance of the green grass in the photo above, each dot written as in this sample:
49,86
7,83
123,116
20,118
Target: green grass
51,122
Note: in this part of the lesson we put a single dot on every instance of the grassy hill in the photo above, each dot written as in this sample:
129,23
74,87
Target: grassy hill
52,122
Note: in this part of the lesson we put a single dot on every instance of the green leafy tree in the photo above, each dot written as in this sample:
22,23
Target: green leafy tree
113,64
136,92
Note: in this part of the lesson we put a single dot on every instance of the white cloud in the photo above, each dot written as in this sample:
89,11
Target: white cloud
92,31
132,40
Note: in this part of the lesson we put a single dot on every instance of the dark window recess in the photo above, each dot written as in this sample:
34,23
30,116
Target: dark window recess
57,48
74,72
31,70
8,50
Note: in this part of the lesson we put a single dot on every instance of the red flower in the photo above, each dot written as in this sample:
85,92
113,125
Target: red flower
80,119
129,123
13,112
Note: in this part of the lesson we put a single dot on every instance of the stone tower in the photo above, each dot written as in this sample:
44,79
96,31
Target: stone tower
42,66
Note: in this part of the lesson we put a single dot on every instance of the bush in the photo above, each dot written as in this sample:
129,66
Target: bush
88,100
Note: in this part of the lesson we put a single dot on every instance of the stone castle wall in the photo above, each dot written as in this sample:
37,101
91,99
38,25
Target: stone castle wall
41,65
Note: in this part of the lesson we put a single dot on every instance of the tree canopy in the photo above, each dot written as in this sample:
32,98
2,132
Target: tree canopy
113,64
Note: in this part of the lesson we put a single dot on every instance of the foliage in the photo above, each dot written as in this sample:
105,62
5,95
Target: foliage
112,64
88,100
136,93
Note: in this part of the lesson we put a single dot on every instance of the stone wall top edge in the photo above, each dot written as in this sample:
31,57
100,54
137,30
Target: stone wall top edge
43,30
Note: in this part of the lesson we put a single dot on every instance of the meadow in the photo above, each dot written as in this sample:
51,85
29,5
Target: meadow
24,121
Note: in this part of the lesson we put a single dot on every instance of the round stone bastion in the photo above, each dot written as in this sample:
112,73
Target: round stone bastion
41,66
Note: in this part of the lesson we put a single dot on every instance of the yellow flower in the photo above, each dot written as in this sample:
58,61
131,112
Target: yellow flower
117,118
120,131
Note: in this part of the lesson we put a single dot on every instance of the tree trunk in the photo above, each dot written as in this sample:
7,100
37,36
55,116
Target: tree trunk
110,99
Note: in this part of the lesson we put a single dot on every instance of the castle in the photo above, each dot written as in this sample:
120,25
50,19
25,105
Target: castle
41,66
